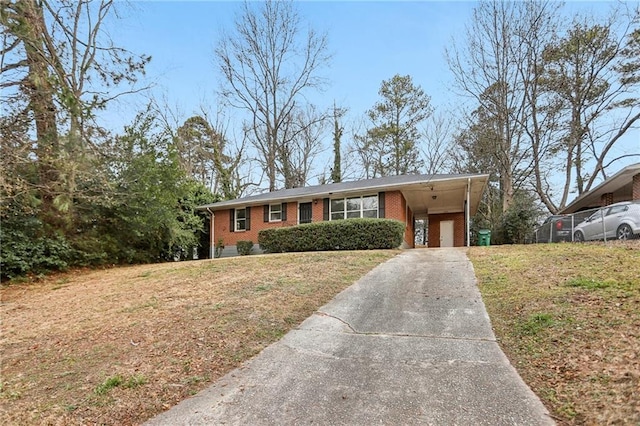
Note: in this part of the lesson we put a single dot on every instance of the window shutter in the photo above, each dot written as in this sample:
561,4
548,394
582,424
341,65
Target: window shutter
381,205
284,212
266,213
325,210
232,219
248,219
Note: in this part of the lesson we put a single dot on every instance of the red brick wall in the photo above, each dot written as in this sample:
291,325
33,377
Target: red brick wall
409,235
221,224
636,187
317,210
606,199
458,228
395,208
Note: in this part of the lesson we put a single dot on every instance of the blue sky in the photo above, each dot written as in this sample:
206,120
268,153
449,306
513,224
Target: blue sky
370,42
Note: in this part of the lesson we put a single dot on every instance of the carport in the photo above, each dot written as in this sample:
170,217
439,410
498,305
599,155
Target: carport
623,186
447,202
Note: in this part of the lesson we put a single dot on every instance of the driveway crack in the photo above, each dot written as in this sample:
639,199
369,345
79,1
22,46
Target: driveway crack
324,314
409,335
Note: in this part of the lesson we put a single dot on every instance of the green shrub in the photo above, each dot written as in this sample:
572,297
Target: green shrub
350,234
244,247
29,250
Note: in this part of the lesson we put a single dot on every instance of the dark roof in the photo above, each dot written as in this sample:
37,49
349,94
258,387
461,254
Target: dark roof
319,191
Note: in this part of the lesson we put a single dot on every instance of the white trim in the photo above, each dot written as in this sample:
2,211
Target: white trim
328,190
270,212
362,209
235,220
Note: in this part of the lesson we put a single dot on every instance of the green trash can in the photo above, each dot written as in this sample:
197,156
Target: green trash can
484,237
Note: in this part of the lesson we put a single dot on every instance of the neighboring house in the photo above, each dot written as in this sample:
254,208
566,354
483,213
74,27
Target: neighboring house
623,186
446,201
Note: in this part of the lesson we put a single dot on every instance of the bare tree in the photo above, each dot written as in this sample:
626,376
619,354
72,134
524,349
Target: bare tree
550,105
589,74
359,149
302,143
268,65
486,69
540,118
60,67
437,143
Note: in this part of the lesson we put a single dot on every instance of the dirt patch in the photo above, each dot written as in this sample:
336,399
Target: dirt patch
121,345
568,318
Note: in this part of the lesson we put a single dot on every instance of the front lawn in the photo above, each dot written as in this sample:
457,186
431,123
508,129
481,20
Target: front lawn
119,346
568,318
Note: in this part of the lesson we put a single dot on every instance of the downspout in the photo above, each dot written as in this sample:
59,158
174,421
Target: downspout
467,212
212,246
406,221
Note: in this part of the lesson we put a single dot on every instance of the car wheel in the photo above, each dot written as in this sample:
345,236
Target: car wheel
624,232
578,237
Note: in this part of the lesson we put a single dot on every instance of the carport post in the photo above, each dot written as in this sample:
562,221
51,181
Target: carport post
466,212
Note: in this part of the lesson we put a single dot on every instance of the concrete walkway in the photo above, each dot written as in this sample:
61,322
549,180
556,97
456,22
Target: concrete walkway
408,344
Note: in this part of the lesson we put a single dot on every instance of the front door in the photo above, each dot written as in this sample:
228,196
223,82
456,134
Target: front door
446,233
305,213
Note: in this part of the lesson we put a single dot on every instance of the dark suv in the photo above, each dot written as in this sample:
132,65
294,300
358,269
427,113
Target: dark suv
554,229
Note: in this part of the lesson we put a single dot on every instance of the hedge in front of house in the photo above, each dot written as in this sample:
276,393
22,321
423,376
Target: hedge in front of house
349,234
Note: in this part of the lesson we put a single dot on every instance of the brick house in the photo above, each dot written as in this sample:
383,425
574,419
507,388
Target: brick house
623,186
446,201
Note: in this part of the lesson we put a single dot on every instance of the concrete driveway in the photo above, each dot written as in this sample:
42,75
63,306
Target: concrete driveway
408,344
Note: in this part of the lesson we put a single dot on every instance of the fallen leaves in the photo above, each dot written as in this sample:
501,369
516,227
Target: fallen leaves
585,366
174,327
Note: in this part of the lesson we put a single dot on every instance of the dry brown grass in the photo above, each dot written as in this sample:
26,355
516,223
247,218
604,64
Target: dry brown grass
568,317
121,345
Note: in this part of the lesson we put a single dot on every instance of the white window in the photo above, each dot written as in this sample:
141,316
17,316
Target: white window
370,206
337,209
241,219
354,207
275,212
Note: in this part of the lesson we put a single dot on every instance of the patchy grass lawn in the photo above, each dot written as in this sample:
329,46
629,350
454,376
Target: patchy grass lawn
568,318
121,345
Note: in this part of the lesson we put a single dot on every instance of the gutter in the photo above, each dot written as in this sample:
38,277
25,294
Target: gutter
243,202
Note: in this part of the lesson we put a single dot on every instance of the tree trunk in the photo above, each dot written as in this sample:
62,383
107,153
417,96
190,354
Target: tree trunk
41,104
